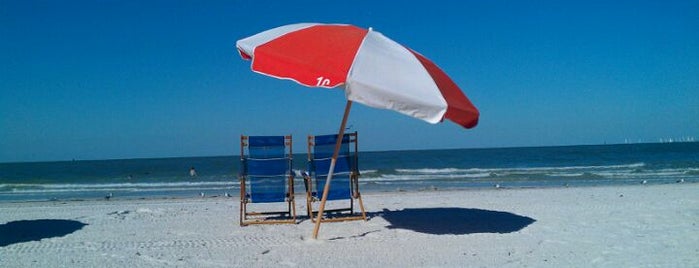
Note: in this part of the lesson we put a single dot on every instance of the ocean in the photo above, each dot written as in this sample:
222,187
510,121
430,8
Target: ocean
419,170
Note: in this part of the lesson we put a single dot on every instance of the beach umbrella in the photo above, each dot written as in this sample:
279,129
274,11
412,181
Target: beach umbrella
371,68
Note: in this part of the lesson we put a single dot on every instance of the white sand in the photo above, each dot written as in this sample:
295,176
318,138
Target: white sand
631,226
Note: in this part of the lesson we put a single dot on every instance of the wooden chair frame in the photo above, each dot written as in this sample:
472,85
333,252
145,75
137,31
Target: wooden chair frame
340,214
271,217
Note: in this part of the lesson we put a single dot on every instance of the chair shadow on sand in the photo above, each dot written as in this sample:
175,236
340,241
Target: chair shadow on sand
457,221
34,230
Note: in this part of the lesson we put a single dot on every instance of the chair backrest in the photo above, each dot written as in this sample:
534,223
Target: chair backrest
321,149
266,165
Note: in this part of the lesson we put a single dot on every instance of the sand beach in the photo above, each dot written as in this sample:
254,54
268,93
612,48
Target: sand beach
614,226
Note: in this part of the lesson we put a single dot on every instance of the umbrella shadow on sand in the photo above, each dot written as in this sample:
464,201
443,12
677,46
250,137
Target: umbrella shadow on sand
34,230
457,221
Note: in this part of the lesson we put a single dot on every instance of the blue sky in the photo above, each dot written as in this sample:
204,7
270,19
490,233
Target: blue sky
134,79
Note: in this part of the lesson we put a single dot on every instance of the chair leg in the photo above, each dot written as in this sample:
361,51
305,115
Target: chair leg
243,203
352,205
242,213
361,206
309,199
309,209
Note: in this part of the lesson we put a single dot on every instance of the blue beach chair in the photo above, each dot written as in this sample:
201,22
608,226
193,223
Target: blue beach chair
345,181
266,177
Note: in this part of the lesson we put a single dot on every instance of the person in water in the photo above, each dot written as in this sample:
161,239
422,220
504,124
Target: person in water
192,172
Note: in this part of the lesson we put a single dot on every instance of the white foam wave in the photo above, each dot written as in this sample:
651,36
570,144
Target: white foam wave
107,189
113,186
513,170
613,172
564,174
422,177
647,173
432,170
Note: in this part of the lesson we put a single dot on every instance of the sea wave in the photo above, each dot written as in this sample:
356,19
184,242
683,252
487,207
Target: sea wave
631,171
435,170
403,177
516,169
37,188
368,171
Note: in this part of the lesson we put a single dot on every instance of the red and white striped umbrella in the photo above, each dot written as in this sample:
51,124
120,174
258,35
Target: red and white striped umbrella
373,69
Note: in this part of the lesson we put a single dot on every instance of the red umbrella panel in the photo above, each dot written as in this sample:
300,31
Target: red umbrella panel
373,69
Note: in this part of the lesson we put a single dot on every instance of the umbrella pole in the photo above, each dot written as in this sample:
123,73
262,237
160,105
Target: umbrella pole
326,189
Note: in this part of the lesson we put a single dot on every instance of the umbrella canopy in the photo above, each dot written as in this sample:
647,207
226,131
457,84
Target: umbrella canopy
373,69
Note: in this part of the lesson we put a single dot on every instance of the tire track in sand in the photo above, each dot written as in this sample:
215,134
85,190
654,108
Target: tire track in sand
35,247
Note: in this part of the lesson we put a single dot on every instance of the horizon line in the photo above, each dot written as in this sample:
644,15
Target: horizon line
368,151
